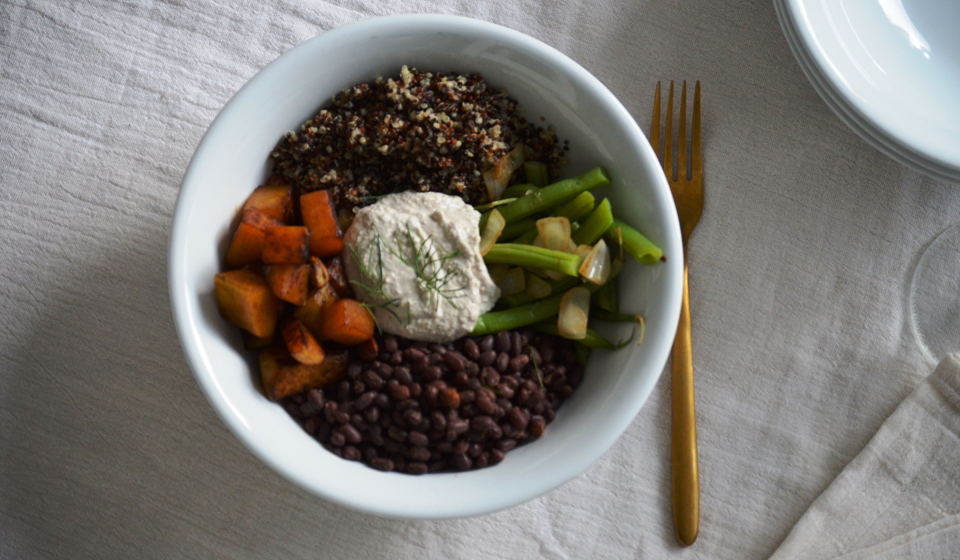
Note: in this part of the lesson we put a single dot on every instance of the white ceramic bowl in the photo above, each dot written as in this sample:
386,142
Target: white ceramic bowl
890,69
232,159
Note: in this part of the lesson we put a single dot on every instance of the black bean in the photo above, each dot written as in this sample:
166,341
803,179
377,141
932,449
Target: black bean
506,444
316,397
451,398
419,439
518,341
537,425
351,453
417,468
418,453
481,461
502,361
372,414
454,361
337,439
487,358
489,376
438,420
354,370
517,418
485,405
496,456
470,349
390,343
462,462
486,343
482,424
471,369
504,343
381,464
517,363
432,373
412,417
365,400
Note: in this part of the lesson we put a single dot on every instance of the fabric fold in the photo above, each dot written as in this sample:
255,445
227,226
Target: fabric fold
900,497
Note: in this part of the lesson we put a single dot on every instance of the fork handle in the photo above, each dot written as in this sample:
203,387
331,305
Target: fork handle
683,454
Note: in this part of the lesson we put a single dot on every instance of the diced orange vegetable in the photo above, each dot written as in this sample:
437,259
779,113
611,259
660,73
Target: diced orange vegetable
301,344
289,282
247,245
320,218
244,298
286,245
275,201
319,275
338,277
326,246
283,376
347,321
311,314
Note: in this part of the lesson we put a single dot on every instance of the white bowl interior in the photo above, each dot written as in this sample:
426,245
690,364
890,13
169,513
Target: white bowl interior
232,159
896,64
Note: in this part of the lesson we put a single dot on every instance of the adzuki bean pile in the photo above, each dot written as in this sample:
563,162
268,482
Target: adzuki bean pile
418,407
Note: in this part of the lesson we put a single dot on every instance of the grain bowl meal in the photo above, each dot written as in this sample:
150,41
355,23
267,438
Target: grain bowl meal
417,278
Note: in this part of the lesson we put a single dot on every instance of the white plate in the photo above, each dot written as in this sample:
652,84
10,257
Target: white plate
892,67
836,103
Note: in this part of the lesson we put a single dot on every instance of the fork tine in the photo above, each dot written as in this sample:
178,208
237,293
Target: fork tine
682,135
695,147
668,138
655,123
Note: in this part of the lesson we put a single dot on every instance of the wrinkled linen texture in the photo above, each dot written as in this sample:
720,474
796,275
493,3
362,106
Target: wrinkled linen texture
108,449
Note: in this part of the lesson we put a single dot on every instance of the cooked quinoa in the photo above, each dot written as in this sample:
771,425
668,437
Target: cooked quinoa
424,131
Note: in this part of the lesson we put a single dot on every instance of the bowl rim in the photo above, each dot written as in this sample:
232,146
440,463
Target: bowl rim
188,332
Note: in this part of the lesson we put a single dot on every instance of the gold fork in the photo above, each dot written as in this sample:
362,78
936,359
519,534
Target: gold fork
688,195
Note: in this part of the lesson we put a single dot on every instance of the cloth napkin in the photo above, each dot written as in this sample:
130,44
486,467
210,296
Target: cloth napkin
900,498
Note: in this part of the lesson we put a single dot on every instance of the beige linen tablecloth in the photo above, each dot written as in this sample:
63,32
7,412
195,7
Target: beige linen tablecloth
108,449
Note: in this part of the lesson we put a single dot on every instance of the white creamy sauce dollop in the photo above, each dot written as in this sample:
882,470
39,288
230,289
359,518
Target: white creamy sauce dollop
414,259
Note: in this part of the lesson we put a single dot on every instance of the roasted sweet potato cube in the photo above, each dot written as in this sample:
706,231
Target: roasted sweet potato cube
247,245
338,278
319,216
289,282
286,245
319,275
283,376
311,313
346,321
301,344
244,298
275,201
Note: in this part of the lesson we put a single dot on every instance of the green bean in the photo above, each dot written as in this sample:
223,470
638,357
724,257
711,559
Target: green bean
517,229
578,208
583,353
596,223
556,287
607,296
527,237
530,256
554,194
536,172
517,191
592,340
517,317
634,243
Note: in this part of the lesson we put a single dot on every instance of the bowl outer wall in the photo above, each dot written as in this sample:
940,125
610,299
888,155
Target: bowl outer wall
231,160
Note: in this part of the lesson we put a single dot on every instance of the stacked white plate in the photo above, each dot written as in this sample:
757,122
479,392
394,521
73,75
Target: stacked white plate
890,69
